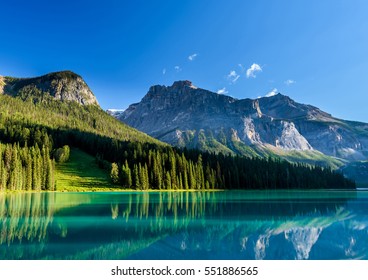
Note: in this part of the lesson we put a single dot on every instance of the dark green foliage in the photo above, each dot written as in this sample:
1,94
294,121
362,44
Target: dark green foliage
126,176
36,131
62,154
63,117
170,168
25,168
114,173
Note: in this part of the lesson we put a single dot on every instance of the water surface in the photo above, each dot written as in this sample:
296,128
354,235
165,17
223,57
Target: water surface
185,225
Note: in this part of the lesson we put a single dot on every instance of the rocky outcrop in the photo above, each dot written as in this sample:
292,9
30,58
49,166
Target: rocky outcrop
184,115
64,86
115,112
2,84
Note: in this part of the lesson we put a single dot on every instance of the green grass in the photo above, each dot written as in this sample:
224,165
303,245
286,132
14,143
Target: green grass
81,173
244,149
312,157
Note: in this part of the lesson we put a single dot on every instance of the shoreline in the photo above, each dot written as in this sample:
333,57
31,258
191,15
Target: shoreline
99,190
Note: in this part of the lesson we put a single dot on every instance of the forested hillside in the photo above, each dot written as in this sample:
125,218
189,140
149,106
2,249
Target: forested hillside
33,130
23,168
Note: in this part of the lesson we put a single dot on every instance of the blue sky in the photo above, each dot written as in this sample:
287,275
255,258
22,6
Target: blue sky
314,51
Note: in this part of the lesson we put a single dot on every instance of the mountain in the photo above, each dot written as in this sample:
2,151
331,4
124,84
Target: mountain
358,170
60,101
37,125
42,125
186,116
115,112
64,85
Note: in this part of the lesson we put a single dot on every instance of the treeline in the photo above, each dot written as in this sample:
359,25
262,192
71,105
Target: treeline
65,115
23,168
136,162
26,156
172,169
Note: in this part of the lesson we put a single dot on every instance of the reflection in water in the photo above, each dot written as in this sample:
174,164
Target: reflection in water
303,239
25,217
184,225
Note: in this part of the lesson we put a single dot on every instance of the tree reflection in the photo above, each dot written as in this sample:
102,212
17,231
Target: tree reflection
188,225
25,217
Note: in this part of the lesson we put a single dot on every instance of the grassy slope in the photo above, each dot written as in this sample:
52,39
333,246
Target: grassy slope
81,173
310,157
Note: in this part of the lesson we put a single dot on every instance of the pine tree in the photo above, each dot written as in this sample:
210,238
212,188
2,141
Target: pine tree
185,179
199,173
143,177
50,184
114,173
4,179
136,182
13,168
126,175
146,176
37,169
192,179
168,181
174,183
28,185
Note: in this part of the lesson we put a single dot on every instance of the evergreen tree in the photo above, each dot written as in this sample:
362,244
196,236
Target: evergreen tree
172,162
126,175
168,180
136,181
28,185
114,173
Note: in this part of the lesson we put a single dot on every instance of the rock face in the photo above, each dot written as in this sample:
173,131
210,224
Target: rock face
2,84
64,85
184,115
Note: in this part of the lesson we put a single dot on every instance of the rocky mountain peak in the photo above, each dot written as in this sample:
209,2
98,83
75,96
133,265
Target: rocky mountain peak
187,116
177,86
63,85
278,95
182,84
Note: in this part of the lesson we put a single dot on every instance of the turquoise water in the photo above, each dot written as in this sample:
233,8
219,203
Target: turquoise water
185,225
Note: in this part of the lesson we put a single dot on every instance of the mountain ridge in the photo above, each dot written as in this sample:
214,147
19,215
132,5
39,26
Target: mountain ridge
35,126
187,116
62,85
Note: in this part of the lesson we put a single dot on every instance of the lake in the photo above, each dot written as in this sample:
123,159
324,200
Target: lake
185,225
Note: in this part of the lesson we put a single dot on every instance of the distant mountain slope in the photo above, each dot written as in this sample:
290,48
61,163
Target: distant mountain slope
63,86
61,101
187,116
358,171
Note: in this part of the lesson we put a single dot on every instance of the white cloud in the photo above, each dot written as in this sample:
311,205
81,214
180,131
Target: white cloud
241,67
233,76
272,93
192,56
164,71
177,68
289,82
252,70
222,91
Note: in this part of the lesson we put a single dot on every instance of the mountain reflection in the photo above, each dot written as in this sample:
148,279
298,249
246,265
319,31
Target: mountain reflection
184,225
